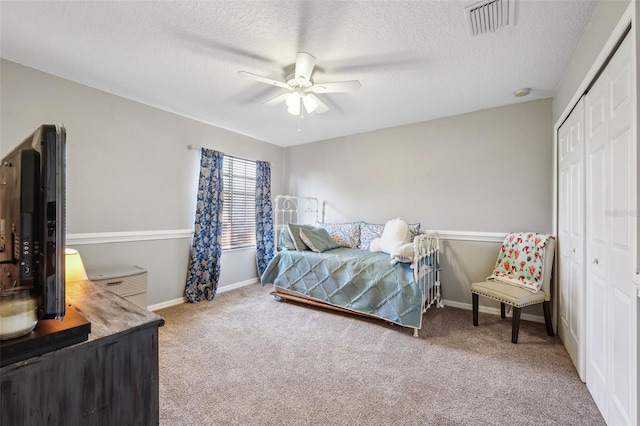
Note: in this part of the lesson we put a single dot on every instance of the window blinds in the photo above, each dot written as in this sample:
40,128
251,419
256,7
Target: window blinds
239,208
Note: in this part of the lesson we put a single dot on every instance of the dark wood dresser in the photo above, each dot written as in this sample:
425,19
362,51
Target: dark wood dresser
110,379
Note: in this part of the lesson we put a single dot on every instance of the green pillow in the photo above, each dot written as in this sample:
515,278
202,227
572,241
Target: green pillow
318,239
294,233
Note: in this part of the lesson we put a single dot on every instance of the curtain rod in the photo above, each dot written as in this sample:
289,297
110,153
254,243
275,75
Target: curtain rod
197,148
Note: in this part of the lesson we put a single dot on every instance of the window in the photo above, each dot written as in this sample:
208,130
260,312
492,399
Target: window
239,208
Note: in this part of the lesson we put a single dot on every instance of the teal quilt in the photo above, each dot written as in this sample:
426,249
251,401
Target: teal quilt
353,279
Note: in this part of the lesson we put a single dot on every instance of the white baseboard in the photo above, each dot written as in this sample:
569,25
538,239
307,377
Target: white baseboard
222,289
493,311
167,304
237,285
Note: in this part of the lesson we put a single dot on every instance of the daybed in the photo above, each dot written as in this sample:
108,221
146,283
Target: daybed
347,276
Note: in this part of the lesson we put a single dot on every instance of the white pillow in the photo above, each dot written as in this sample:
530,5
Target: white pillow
396,233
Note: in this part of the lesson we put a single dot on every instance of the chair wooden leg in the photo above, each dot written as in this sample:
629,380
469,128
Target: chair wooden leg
474,298
503,315
515,327
546,307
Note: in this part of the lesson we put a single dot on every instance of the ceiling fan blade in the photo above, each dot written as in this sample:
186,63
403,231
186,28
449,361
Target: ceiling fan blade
277,99
336,87
263,79
304,66
321,105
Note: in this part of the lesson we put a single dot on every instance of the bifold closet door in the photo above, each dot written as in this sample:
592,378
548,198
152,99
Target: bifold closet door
611,201
571,286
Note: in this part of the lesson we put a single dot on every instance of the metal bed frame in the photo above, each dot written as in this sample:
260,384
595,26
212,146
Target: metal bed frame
305,210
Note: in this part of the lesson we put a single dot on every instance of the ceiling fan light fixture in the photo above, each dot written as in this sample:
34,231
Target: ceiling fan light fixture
293,103
309,104
293,111
302,89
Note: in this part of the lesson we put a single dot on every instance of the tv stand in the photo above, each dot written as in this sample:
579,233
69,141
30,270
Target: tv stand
112,378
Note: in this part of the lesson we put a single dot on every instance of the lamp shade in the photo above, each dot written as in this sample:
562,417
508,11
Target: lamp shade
74,268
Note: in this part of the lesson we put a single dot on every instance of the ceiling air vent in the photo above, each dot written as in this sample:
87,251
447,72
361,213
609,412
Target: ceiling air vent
489,15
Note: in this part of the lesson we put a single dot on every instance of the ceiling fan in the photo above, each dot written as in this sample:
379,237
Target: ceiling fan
302,89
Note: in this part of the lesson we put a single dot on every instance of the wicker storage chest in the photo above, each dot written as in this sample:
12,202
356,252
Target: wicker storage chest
129,282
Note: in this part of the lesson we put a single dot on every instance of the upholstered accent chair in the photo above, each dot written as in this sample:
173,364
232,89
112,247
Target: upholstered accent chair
518,297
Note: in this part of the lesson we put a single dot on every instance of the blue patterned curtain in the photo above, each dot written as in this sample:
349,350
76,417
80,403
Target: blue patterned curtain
264,216
204,266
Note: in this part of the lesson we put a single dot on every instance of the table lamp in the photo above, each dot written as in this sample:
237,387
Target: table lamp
74,268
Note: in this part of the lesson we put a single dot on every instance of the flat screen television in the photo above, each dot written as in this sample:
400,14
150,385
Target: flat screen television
32,218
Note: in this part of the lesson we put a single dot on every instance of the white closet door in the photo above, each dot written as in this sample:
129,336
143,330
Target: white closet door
571,286
596,274
611,369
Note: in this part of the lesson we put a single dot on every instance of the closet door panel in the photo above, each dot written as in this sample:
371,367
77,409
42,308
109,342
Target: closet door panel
576,212
620,95
571,236
596,247
596,368
575,320
623,403
611,240
596,113
620,379
621,216
596,201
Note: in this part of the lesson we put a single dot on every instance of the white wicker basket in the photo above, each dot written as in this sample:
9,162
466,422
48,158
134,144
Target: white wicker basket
129,282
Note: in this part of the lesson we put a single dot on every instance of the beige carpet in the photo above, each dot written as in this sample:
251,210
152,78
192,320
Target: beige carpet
247,359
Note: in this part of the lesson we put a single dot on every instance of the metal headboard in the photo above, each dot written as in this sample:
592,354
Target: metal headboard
293,209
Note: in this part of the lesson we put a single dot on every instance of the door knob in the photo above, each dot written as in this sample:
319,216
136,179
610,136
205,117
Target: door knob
595,261
573,250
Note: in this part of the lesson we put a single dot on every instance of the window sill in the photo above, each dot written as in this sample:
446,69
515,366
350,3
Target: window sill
238,249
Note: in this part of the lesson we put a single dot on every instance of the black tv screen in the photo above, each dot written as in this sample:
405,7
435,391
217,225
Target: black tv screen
32,218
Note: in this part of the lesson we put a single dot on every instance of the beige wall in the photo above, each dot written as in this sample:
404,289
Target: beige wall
128,170
604,20
486,171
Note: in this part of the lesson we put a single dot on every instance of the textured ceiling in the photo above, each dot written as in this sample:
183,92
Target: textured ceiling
415,59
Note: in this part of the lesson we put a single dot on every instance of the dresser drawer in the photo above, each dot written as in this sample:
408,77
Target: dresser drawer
129,282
